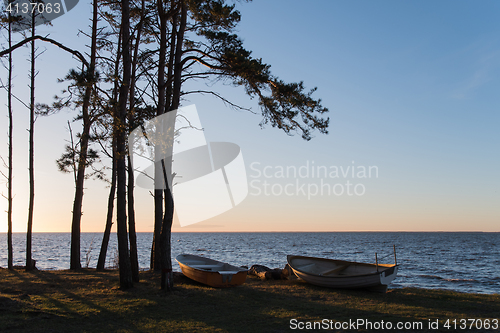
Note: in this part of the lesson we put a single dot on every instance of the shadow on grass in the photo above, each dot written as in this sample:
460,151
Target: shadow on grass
90,301
468,305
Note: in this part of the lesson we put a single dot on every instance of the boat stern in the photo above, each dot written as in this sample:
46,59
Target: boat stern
388,275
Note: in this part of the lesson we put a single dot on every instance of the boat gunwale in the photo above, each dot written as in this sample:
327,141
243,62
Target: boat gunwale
212,272
385,266
238,269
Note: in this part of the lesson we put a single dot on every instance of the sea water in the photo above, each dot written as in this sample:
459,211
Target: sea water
462,261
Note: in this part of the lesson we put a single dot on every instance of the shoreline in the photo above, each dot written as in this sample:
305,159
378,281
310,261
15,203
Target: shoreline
147,270
428,260
88,300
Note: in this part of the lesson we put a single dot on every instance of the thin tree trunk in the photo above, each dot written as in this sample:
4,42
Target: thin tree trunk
164,97
155,247
109,218
134,260
29,262
176,94
171,59
121,198
10,264
167,282
158,193
84,143
167,278
112,192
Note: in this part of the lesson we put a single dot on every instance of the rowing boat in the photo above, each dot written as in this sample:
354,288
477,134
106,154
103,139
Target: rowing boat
343,274
211,272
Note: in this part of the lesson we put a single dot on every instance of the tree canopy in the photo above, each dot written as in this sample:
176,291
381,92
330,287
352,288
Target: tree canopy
141,55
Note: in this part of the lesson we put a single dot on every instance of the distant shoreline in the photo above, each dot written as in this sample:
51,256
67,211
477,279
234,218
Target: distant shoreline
264,232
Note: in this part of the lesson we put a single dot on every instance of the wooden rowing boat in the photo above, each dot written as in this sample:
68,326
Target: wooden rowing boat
343,274
211,272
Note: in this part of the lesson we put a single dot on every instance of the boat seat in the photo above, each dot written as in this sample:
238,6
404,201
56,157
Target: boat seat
306,266
228,272
336,270
207,266
189,263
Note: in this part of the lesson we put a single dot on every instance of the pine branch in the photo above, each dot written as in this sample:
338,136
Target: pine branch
48,40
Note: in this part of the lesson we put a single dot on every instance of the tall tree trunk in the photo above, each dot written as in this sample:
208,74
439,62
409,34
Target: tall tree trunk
155,247
84,144
112,192
167,277
158,192
160,217
10,264
31,167
134,260
167,282
176,93
109,218
120,121
171,60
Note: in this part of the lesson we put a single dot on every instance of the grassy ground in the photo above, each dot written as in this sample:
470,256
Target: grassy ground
90,301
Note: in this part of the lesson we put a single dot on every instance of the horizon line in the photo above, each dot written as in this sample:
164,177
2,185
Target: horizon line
343,231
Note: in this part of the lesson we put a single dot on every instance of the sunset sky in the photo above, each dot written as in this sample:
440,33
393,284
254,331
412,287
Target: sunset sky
413,93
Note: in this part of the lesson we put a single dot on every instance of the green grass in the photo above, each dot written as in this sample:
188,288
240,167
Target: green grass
90,301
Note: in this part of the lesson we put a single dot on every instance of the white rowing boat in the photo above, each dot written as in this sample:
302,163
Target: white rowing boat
343,274
211,272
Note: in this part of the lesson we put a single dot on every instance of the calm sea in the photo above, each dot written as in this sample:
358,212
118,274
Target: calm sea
465,262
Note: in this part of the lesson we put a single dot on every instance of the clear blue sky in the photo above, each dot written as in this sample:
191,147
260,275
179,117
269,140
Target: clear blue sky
412,89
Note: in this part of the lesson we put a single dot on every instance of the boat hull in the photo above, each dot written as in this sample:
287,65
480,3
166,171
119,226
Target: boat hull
211,272
342,274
